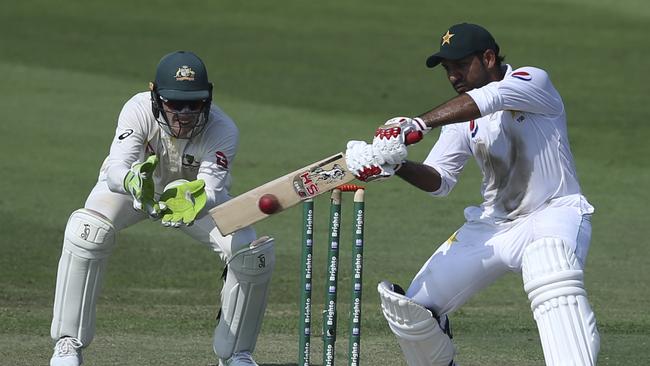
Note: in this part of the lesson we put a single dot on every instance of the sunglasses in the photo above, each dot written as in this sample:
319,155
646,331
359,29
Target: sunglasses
179,105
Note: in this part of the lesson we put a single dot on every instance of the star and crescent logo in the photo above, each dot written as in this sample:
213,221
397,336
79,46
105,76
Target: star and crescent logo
453,238
446,39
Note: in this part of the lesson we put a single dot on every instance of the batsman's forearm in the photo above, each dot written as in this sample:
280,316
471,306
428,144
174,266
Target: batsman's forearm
421,176
459,109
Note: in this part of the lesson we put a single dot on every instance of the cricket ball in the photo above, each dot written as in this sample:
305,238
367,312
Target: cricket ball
268,203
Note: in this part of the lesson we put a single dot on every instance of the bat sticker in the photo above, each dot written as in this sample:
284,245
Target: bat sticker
306,183
336,173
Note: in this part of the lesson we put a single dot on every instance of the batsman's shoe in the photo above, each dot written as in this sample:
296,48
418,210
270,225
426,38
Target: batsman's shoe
239,359
67,352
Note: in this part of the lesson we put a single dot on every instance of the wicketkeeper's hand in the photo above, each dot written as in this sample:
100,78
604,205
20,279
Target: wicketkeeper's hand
139,182
389,143
361,161
182,201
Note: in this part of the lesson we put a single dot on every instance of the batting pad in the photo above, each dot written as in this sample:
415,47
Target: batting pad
243,298
87,243
418,333
553,279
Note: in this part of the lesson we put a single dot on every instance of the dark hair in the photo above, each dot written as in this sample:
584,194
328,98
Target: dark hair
499,59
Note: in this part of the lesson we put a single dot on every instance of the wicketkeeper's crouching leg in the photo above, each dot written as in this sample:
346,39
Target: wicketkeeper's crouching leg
424,340
88,242
243,302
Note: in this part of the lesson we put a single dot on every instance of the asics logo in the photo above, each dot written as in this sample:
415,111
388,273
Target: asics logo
125,134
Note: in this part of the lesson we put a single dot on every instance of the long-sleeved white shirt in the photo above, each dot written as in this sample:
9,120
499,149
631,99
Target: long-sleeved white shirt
520,143
207,156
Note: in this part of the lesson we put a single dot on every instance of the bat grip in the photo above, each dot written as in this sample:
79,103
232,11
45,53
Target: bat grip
413,137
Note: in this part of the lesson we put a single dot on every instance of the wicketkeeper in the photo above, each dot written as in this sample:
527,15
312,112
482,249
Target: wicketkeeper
533,219
170,160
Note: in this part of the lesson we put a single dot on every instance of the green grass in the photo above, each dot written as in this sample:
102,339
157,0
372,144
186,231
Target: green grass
301,78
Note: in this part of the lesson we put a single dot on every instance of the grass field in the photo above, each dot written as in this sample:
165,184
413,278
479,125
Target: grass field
301,78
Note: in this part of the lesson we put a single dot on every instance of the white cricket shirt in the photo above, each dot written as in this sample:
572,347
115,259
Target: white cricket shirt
520,144
207,156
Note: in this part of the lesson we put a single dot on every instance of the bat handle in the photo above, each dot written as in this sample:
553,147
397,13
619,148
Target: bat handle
413,137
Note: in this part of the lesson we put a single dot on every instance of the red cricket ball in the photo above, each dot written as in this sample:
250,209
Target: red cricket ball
268,203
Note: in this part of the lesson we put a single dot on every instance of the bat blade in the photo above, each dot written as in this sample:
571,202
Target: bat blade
290,189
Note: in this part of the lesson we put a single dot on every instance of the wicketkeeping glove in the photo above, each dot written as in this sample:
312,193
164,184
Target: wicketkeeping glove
182,201
389,143
360,160
139,182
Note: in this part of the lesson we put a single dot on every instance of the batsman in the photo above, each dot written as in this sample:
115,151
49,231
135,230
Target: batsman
170,160
534,220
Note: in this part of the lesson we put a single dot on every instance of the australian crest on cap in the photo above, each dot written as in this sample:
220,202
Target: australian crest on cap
185,73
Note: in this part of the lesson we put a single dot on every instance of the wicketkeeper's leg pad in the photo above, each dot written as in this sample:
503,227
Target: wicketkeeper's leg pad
88,241
244,297
418,333
553,279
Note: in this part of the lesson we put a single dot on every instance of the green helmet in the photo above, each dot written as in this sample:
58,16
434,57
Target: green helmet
181,94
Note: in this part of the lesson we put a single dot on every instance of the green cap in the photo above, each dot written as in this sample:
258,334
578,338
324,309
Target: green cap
462,40
181,75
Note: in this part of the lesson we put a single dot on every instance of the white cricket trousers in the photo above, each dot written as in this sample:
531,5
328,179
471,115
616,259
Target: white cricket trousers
481,251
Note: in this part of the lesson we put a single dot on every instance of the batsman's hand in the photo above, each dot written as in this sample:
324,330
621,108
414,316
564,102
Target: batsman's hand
139,183
361,161
389,143
181,202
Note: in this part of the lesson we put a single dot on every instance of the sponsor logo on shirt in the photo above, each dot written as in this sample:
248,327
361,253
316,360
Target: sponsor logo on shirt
522,75
222,160
190,162
125,134
519,118
473,128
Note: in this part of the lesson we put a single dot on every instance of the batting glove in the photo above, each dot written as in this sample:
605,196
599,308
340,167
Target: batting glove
139,183
389,143
361,161
181,202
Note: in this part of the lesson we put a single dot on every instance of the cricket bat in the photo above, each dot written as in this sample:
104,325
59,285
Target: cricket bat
291,189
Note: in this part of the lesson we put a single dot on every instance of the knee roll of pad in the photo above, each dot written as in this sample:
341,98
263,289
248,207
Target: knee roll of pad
89,235
553,279
88,241
255,260
244,297
418,333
